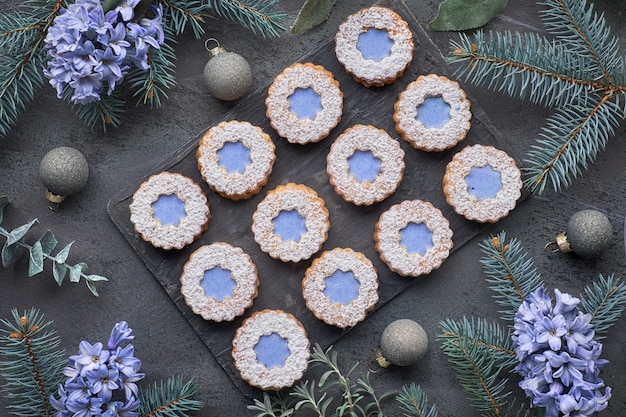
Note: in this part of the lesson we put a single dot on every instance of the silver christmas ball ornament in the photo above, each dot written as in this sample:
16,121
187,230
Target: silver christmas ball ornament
588,233
402,343
227,75
64,171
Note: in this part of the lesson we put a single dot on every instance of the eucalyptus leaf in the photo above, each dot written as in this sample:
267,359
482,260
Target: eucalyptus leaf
48,242
4,201
35,262
95,278
10,253
76,271
63,253
312,14
18,233
456,15
59,270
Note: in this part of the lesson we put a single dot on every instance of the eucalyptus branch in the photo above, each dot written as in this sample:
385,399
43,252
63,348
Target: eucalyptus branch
40,251
579,72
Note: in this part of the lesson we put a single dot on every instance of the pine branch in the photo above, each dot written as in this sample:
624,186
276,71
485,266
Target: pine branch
30,363
414,402
605,301
510,273
480,353
104,113
583,32
580,72
150,85
571,140
170,399
254,15
23,57
180,14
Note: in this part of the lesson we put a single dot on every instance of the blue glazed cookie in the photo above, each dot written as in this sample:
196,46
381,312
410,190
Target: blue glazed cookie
304,103
340,287
365,165
291,223
375,46
271,350
219,282
169,210
236,159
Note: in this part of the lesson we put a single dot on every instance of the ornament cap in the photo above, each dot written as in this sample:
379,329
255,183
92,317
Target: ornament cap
213,50
562,243
381,360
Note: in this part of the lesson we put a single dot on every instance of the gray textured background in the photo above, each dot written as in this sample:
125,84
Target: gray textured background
165,342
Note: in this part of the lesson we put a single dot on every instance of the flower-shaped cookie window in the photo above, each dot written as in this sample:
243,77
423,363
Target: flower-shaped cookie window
483,182
416,238
289,225
374,44
364,166
434,112
234,157
169,209
305,103
272,350
218,283
341,287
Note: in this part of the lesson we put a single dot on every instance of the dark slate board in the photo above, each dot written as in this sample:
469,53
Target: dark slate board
351,226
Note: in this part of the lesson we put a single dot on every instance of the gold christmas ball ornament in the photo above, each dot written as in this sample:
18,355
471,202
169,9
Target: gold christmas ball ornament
588,233
227,75
402,343
63,171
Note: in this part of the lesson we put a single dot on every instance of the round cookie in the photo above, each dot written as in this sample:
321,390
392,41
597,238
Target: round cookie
365,165
219,282
341,287
374,45
169,210
413,238
304,103
235,159
482,183
432,113
291,223
271,350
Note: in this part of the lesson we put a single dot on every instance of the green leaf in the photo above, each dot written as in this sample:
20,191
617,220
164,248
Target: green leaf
312,14
18,233
35,263
455,15
58,272
76,271
63,253
48,242
4,201
10,253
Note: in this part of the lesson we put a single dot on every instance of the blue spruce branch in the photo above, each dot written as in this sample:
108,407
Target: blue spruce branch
31,363
580,73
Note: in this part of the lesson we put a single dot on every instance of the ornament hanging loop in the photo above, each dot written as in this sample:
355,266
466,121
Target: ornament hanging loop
561,244
213,50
